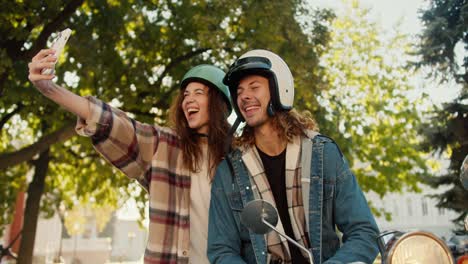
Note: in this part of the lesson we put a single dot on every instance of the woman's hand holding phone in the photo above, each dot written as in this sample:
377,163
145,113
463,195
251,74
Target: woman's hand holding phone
41,67
41,72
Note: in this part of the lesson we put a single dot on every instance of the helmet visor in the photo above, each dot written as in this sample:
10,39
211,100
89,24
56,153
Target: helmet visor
246,65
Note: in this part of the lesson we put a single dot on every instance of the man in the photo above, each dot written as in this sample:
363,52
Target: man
268,165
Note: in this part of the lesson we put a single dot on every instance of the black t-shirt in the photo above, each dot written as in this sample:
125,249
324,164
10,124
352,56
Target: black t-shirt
275,169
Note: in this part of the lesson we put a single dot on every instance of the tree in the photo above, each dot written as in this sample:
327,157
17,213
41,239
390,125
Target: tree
445,23
132,54
368,106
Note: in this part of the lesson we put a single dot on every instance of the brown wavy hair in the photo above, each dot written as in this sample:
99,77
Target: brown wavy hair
288,124
218,130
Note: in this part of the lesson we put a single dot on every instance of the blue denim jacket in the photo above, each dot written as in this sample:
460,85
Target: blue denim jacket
335,199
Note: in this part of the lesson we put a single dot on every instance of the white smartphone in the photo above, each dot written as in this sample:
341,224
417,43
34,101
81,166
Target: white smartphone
57,45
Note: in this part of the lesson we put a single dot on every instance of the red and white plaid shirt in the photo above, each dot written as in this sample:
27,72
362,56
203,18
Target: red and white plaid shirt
151,155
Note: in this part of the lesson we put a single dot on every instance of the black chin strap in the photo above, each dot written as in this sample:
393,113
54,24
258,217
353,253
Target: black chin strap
227,143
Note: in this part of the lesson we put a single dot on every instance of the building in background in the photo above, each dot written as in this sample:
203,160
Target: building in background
414,211
121,241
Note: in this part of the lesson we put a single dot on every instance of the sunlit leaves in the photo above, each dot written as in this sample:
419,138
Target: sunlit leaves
133,53
369,108
75,221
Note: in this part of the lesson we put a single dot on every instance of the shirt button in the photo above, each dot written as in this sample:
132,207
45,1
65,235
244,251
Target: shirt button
184,252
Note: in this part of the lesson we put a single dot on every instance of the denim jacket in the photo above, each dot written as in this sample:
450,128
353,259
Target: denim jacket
335,200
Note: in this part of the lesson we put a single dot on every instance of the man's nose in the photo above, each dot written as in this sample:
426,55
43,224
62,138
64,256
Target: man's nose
245,96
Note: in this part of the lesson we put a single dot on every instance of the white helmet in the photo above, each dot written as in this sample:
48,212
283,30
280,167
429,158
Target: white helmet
269,65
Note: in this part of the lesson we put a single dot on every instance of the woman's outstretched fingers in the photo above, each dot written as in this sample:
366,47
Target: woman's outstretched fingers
44,59
35,69
42,54
39,77
51,58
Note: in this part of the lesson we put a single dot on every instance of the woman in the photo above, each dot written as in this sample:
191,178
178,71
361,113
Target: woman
175,165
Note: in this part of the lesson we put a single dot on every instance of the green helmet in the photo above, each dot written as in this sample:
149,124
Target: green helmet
211,76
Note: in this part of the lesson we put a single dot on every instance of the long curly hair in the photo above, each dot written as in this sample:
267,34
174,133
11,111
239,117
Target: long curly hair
288,124
189,140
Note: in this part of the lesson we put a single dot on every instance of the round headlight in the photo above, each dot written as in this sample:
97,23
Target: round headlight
413,248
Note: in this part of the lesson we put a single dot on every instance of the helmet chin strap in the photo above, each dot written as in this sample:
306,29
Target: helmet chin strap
230,135
270,109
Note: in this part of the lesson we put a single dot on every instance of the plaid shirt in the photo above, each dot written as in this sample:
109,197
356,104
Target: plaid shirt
277,245
152,156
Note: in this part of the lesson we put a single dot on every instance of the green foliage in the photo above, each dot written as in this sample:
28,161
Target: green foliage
13,180
368,107
445,23
445,29
133,54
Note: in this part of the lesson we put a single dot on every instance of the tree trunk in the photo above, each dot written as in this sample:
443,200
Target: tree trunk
31,211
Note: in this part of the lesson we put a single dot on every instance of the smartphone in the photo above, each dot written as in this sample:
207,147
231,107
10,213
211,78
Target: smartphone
57,45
